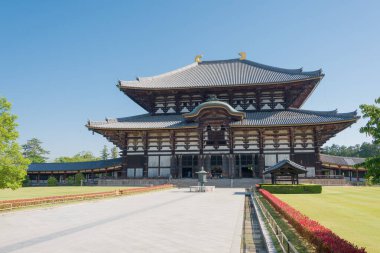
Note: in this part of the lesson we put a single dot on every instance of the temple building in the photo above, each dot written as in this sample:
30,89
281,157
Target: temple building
233,117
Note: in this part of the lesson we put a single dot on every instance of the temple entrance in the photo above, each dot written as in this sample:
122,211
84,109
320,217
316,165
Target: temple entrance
246,171
216,166
187,172
189,165
247,165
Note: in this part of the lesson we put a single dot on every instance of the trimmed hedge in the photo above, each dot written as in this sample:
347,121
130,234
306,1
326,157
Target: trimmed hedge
292,188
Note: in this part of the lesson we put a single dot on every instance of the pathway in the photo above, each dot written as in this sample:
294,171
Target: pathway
167,221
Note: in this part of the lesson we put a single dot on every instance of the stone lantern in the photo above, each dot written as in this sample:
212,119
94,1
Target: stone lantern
202,178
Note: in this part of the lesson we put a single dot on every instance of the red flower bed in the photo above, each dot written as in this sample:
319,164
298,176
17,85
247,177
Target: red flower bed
323,238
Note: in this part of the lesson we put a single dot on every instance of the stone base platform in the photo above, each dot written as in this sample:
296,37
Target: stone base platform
198,188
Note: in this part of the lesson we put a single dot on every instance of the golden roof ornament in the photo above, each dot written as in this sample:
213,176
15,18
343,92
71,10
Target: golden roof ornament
243,56
198,58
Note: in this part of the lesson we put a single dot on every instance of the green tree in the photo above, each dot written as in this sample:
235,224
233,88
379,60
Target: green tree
34,151
70,180
364,150
52,181
104,153
78,178
12,164
369,150
372,128
114,152
84,156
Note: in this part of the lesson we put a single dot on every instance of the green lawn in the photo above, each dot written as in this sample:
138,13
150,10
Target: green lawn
351,212
34,192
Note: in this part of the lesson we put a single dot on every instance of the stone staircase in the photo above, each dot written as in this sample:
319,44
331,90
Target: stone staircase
184,182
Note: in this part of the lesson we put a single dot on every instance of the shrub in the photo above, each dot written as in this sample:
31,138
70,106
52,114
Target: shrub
78,178
52,181
369,181
70,180
292,188
323,238
26,182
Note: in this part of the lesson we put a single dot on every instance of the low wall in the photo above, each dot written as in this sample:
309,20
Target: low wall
8,205
324,181
184,182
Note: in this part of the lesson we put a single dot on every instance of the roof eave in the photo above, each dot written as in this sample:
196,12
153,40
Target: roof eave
94,128
258,85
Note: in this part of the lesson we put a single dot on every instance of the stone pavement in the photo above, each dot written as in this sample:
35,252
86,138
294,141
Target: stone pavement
168,221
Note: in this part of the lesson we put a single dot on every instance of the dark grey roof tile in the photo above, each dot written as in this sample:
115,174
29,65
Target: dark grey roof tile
259,118
340,160
35,167
221,73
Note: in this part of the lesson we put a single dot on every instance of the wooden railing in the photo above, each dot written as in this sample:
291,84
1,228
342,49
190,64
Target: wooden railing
284,242
8,205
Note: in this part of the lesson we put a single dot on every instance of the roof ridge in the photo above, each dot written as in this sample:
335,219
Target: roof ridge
111,120
144,78
333,112
272,68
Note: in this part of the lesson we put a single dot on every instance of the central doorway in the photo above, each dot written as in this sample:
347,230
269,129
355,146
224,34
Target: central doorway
247,165
189,165
216,166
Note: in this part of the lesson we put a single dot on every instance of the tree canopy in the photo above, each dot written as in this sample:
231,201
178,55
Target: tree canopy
359,150
84,156
114,152
12,163
372,128
34,151
104,153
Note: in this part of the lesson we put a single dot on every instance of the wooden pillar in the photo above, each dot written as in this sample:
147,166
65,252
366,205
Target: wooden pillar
231,156
261,153
173,165
173,161
357,175
291,144
144,136
231,165
124,165
200,162
317,150
179,158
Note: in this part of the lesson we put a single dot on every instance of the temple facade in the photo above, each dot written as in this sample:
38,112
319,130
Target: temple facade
233,117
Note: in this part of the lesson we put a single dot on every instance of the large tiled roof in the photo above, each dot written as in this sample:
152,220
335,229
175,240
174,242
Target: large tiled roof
221,73
340,160
40,167
259,118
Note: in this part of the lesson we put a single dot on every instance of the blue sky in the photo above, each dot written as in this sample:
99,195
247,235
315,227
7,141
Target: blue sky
60,60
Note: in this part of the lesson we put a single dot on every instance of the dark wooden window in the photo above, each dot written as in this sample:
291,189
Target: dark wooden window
216,137
135,161
246,160
189,160
216,160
